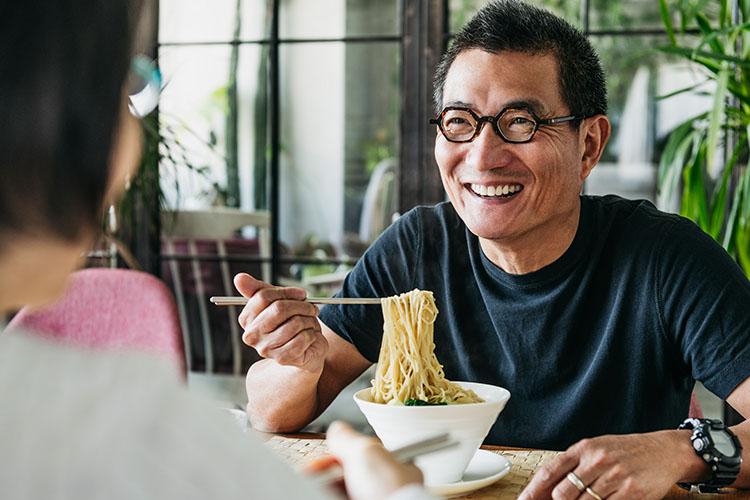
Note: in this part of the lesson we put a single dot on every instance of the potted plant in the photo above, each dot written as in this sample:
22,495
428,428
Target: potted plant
713,192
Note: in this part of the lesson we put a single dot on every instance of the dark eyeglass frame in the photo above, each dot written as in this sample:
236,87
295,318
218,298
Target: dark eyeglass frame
494,120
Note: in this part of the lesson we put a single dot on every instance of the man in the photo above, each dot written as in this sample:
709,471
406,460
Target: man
598,314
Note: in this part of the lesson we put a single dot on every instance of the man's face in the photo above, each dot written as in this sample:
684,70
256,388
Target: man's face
545,174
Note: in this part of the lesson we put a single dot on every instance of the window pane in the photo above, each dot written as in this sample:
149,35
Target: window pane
462,10
203,165
338,18
636,75
340,109
643,14
211,20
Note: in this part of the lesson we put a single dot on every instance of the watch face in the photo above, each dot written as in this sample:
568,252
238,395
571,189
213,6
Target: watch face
723,443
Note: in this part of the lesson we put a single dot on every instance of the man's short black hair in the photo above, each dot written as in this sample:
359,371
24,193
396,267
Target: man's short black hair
511,25
63,65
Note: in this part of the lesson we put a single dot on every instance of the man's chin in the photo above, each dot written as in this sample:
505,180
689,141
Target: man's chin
486,231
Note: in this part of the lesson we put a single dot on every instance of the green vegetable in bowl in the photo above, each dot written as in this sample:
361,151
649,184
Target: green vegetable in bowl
421,402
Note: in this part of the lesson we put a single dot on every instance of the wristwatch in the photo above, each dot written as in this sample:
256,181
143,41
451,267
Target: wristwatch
719,447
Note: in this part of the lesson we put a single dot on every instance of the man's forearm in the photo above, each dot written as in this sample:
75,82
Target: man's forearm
281,398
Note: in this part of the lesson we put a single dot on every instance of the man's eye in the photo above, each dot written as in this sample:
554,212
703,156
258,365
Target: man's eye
456,120
521,120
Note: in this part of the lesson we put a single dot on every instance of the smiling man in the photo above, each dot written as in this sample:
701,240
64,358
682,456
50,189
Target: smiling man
597,313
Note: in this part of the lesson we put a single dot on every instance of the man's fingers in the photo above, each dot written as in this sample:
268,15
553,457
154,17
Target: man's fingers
549,476
248,285
265,296
279,312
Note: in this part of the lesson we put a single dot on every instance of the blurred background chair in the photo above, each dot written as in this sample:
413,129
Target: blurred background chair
202,250
112,309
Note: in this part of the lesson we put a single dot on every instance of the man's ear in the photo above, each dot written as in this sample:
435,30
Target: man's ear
592,138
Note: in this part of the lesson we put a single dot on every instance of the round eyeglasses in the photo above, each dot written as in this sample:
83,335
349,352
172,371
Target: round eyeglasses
144,86
514,125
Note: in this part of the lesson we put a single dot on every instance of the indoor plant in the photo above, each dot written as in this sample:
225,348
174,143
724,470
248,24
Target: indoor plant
711,190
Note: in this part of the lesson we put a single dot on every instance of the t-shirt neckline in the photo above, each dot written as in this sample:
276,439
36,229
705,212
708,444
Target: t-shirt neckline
553,270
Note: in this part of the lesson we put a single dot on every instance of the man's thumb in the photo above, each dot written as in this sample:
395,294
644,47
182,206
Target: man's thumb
247,285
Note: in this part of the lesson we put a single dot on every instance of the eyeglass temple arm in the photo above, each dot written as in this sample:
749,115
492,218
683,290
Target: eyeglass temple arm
562,119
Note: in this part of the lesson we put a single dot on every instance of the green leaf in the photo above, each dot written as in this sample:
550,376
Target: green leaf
718,206
710,34
717,119
723,10
694,204
682,90
672,160
664,11
704,56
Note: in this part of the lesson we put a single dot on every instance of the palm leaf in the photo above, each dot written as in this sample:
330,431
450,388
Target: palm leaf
664,11
719,200
717,118
683,90
711,36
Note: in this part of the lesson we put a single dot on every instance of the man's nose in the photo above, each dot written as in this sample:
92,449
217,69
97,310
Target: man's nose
488,150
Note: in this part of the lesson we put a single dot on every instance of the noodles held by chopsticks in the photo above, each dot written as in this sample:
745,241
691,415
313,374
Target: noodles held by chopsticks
408,371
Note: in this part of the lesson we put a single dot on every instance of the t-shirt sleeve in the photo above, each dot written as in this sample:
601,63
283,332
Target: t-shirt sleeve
386,269
704,299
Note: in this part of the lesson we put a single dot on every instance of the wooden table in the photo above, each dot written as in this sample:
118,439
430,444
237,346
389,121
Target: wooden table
298,449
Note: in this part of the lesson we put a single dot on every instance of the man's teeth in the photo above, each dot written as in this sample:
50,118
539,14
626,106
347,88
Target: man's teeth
503,190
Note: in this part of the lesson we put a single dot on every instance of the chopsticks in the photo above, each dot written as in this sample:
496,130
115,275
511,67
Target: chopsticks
403,454
241,301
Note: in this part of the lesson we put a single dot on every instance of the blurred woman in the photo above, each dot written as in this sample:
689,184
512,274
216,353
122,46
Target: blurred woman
77,424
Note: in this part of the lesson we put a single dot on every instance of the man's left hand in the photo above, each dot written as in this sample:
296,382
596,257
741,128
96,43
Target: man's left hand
617,467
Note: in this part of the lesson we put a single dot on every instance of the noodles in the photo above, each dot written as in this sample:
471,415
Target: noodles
408,371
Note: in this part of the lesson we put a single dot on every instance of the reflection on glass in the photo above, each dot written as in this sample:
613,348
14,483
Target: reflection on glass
340,108
461,11
338,18
211,20
723,443
207,105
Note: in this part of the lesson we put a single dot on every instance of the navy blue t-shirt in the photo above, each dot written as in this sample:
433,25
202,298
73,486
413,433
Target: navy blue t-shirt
608,339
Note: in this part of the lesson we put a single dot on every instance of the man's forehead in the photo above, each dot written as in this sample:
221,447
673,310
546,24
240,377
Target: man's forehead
477,78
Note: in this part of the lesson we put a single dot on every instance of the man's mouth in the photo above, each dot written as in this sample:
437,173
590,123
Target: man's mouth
496,190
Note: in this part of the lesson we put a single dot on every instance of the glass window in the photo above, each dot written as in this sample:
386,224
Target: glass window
338,18
340,110
460,11
208,152
212,20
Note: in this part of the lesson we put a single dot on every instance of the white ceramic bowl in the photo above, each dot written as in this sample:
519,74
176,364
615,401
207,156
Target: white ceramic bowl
467,423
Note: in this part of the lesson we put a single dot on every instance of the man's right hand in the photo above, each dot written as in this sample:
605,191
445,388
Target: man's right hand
280,325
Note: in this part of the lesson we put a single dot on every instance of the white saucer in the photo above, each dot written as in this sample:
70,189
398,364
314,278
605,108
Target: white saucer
484,469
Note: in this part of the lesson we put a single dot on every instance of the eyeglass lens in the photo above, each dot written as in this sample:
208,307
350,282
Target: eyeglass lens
516,125
144,86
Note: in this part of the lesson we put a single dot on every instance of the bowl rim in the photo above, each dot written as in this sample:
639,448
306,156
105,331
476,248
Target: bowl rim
504,397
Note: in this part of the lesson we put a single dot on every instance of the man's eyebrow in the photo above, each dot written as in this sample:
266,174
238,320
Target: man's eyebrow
532,103
460,104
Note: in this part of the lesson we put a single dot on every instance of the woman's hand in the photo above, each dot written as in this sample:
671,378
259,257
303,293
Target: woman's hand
370,471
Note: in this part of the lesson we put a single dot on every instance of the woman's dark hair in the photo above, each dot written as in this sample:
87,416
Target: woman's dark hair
510,25
63,65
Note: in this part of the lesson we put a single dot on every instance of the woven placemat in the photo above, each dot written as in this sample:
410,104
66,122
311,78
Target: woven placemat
298,452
